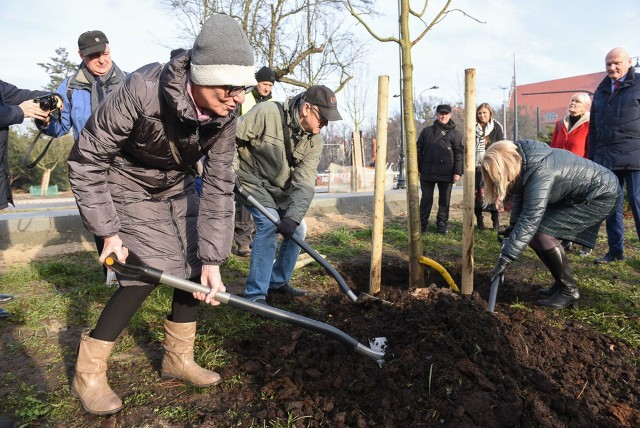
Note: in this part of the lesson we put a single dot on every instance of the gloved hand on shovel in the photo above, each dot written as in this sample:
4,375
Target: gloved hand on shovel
287,227
504,234
503,262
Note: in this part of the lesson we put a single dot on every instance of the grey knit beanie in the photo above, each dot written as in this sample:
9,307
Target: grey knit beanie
221,54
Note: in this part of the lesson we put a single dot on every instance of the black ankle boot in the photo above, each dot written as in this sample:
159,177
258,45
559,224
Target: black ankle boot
567,293
495,219
549,291
478,213
567,296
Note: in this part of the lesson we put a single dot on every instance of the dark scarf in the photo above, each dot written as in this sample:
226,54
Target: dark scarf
259,98
98,86
573,120
444,126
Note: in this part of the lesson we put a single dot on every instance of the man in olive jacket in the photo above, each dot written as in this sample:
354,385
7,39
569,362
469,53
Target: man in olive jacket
279,149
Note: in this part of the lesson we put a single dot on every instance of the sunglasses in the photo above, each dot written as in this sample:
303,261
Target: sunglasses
234,91
317,110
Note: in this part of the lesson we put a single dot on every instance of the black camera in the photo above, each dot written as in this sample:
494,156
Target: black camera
47,102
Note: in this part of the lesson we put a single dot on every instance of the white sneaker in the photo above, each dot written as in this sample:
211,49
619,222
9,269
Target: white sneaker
112,281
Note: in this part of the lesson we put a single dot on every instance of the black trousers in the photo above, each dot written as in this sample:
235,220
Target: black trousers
125,301
426,202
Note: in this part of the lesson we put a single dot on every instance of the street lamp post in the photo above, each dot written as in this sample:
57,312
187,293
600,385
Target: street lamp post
504,106
425,90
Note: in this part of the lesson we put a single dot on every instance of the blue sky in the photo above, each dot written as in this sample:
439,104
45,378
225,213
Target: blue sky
550,39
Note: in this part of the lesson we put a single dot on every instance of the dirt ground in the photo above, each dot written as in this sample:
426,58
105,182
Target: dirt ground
450,363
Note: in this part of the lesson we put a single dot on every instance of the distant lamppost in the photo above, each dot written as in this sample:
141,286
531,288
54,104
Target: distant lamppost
425,90
504,105
402,181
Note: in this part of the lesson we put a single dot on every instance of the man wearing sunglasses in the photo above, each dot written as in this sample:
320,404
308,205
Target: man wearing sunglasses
131,172
279,147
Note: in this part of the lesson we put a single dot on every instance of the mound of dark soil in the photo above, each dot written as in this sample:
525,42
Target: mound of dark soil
451,363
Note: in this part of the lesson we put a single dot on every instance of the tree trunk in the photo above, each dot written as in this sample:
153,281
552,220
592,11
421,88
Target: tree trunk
416,271
44,183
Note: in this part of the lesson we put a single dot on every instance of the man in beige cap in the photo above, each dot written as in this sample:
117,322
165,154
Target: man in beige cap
279,148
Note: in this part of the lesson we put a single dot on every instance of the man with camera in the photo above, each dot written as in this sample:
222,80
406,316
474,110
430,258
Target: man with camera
84,91
15,105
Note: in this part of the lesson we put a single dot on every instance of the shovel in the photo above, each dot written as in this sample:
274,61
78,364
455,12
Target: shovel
360,298
495,284
136,269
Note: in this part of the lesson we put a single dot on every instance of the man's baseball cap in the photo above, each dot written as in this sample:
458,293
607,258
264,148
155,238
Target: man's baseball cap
323,98
92,42
443,108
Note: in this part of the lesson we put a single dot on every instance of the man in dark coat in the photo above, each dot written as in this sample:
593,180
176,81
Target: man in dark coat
440,154
614,141
15,105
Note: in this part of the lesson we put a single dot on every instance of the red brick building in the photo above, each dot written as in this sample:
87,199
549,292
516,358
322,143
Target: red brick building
550,99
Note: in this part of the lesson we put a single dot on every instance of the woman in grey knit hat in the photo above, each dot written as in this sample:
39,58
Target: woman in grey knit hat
131,174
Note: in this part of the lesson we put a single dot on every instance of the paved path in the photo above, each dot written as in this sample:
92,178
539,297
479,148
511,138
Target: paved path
55,220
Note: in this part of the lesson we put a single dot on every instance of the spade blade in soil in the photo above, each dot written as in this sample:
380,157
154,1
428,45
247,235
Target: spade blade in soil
495,284
309,250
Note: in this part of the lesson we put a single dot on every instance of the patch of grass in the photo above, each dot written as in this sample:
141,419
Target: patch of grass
69,291
342,243
521,306
178,413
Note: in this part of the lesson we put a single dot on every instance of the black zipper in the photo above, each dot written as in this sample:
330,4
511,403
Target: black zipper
183,251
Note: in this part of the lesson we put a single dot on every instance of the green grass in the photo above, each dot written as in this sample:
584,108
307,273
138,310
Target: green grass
68,292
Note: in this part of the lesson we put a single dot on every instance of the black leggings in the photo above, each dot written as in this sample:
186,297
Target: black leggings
125,302
542,242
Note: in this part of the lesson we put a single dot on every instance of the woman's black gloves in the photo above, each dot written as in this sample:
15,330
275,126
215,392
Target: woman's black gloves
287,227
503,262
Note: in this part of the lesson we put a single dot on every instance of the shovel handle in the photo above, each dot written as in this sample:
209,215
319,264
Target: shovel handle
137,269
302,244
491,305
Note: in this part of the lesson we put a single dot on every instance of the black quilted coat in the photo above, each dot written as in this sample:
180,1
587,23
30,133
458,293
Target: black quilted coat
560,194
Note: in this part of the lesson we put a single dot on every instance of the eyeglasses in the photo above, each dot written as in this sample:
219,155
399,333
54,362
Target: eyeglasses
234,91
317,110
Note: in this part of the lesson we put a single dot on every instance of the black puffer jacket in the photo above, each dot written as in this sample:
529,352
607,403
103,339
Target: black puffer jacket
126,180
550,176
614,127
440,152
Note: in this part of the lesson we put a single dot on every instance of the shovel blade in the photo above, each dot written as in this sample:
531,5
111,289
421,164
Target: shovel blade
368,298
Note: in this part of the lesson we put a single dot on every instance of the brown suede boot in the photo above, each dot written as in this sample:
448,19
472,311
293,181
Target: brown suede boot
90,381
178,360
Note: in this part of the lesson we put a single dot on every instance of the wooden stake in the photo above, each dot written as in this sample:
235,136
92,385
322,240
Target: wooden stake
469,179
378,192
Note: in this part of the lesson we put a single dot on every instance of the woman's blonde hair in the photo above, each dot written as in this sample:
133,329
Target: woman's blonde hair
500,168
